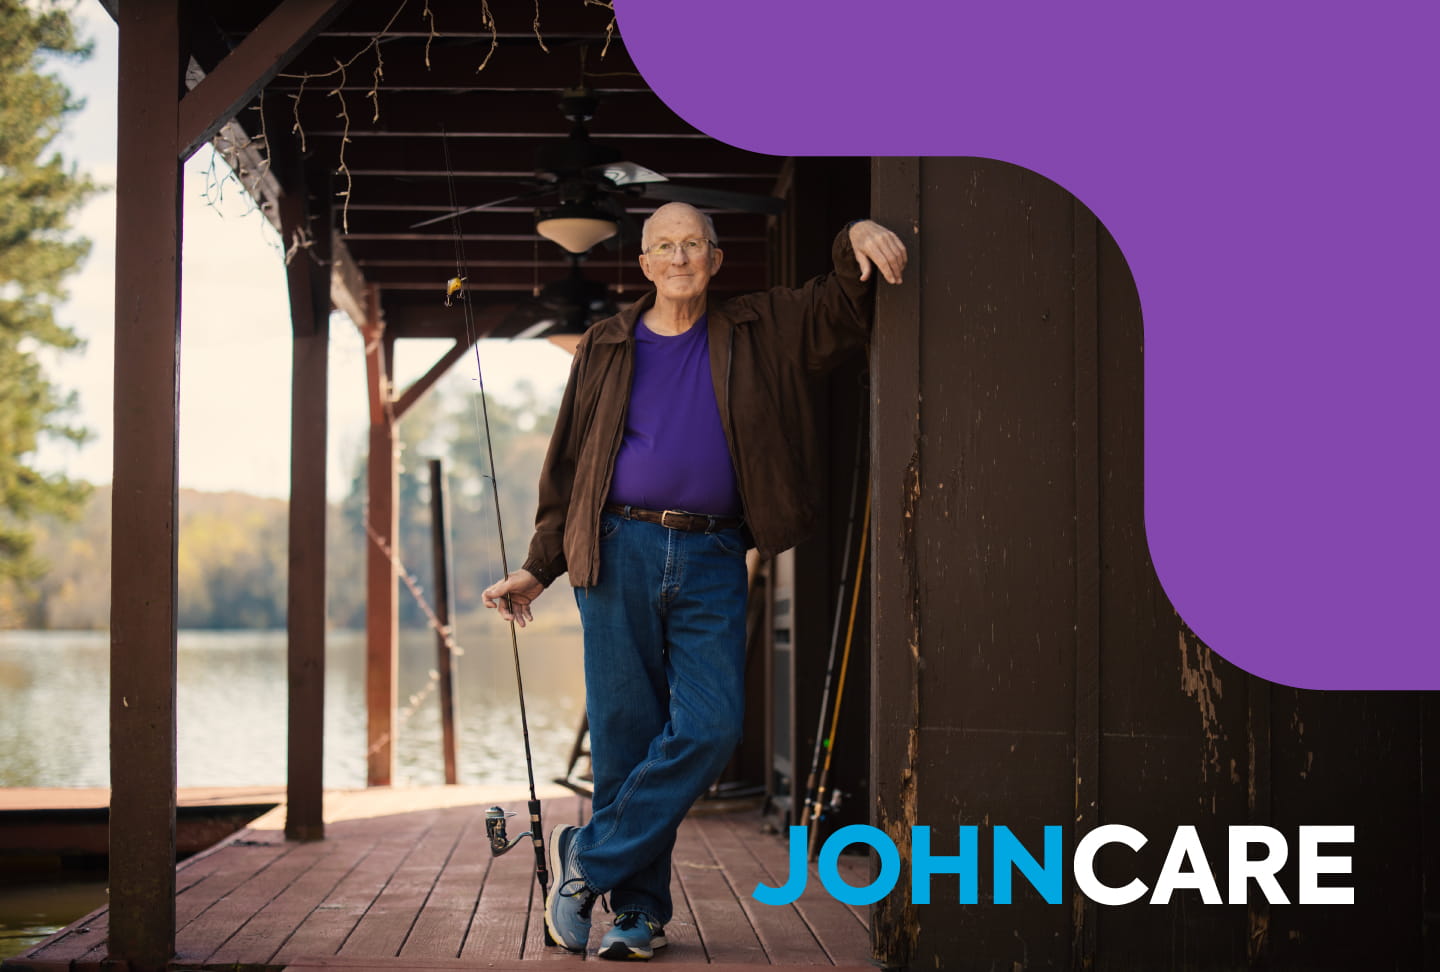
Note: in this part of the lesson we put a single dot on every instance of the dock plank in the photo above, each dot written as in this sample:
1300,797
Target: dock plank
325,929
384,926
773,852
836,926
216,919
571,810
439,930
783,933
500,920
724,928
52,799
265,933
84,941
405,880
682,933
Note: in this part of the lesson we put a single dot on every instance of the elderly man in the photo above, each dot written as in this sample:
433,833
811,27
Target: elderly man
681,441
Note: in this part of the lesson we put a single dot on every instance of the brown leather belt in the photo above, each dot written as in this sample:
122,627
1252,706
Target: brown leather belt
676,519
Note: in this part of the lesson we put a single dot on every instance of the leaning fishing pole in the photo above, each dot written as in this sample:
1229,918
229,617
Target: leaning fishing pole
809,804
495,817
844,667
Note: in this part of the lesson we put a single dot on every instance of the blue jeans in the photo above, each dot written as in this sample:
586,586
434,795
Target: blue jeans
664,689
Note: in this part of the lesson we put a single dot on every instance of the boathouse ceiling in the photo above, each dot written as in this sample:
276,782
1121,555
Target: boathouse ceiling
397,111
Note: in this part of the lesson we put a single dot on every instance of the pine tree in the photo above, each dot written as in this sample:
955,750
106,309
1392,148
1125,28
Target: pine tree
38,195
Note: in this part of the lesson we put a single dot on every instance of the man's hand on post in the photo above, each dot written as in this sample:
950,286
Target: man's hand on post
875,245
513,596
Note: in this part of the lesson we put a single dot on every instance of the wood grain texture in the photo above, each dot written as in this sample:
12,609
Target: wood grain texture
405,879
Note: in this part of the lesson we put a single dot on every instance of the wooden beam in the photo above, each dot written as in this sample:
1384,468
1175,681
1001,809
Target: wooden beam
252,167
557,22
479,156
485,113
444,657
437,371
348,286
517,65
895,572
285,167
309,268
235,81
305,617
431,196
1084,942
144,521
409,320
382,591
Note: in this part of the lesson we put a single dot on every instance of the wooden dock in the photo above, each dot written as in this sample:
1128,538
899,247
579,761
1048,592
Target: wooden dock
67,822
405,879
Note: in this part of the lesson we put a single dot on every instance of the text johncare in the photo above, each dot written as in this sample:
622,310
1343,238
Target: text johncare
1252,854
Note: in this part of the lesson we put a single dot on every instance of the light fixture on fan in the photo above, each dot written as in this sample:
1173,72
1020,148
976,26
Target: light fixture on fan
576,226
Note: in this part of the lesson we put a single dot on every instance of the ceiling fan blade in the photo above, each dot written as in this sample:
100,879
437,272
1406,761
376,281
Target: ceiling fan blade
744,202
533,194
525,319
629,174
535,330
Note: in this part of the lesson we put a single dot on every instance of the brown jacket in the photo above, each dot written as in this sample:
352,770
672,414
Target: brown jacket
762,349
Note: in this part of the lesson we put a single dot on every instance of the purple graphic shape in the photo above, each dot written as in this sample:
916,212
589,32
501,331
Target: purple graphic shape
1270,172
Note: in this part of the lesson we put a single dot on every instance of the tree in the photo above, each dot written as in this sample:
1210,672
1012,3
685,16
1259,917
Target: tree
445,423
38,195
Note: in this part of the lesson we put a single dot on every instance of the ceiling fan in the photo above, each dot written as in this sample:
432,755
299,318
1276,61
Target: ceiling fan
562,307
591,182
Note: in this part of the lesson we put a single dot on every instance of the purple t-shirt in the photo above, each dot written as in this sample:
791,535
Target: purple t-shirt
674,455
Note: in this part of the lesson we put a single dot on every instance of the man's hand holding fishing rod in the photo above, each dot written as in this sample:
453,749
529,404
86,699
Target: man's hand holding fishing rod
513,596
684,437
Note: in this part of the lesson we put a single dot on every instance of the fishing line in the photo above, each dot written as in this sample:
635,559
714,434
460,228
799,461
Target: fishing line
495,825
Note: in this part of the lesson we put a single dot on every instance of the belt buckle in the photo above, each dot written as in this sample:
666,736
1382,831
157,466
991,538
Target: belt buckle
668,513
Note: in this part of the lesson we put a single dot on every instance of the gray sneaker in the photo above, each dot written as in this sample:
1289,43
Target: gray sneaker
568,905
633,936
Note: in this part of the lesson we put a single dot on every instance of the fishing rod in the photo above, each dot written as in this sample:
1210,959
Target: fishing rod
808,803
844,667
495,817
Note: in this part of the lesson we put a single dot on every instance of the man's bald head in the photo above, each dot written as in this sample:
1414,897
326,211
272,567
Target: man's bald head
678,214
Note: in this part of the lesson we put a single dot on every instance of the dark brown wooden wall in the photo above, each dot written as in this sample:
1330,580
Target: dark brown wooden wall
1029,670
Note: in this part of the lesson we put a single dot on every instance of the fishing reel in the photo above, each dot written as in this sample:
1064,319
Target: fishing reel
500,842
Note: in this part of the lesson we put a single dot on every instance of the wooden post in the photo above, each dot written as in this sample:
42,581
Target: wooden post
895,571
143,521
443,662
382,632
1084,944
309,278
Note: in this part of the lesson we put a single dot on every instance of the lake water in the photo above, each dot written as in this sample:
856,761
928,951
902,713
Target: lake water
54,708
54,725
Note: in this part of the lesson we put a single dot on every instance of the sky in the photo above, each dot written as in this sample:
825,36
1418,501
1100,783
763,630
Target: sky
235,323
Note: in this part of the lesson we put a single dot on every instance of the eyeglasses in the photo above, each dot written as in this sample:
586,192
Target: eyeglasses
691,248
